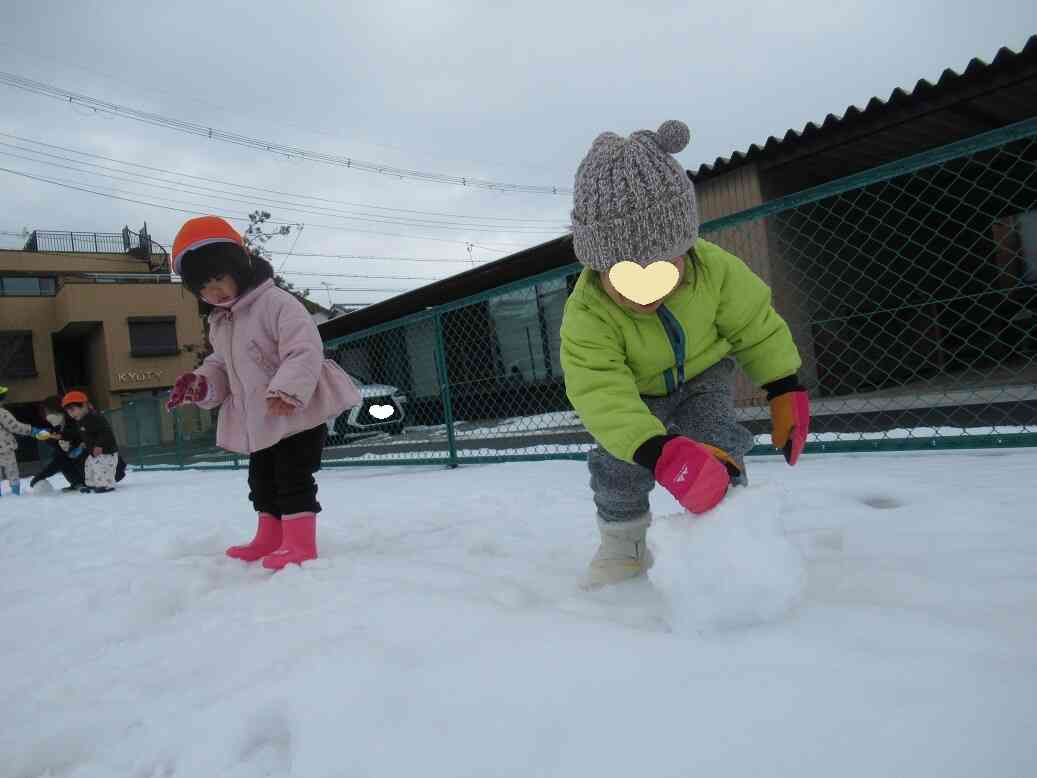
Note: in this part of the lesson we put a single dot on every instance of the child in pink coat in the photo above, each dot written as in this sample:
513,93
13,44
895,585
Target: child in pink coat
270,380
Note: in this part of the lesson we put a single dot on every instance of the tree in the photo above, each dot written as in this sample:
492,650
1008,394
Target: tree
255,240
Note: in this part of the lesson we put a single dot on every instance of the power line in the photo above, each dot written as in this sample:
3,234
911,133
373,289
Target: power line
271,204
190,128
284,205
360,275
352,289
312,255
241,217
298,234
224,109
473,217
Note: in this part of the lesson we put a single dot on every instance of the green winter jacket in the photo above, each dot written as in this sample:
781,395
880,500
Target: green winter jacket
611,356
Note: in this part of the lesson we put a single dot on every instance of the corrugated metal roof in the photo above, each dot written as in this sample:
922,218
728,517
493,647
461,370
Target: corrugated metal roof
924,89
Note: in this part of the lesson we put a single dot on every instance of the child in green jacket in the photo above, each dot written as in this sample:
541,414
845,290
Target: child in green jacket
650,338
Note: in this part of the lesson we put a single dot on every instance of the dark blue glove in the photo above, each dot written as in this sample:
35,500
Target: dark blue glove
76,453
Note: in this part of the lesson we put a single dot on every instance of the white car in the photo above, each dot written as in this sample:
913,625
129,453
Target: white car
383,409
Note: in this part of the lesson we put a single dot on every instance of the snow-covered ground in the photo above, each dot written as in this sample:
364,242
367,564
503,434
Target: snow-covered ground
859,615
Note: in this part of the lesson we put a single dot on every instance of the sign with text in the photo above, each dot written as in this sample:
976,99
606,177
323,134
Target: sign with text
138,376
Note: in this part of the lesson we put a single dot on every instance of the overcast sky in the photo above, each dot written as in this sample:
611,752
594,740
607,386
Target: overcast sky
510,92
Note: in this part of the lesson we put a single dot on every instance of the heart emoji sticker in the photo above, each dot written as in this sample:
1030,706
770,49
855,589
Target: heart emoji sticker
644,285
382,412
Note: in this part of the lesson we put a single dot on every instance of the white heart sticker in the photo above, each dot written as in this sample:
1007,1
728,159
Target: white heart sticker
382,412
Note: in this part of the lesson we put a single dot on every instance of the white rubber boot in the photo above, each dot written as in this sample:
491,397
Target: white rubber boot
623,553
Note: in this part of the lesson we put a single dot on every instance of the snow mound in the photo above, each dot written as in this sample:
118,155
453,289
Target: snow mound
732,567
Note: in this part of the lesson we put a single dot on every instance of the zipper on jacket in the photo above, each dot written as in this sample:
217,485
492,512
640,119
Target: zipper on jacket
675,333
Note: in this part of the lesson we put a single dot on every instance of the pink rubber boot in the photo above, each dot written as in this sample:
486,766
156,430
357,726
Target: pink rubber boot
267,539
298,544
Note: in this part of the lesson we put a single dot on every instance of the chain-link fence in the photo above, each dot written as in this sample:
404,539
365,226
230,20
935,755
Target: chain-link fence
911,291
474,381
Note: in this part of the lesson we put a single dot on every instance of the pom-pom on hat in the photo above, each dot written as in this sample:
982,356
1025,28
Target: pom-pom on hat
632,200
203,231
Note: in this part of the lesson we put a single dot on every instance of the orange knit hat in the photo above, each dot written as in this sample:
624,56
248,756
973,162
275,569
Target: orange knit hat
74,398
201,232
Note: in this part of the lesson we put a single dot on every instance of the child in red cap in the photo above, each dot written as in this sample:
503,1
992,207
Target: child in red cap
269,378
98,440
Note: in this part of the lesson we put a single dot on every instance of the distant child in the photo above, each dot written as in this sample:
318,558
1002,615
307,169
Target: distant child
649,354
9,427
98,442
68,456
270,380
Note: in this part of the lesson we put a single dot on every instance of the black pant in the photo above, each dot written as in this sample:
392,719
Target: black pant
72,469
280,478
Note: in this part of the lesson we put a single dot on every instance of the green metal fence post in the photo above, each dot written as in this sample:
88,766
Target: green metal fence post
177,440
140,438
444,389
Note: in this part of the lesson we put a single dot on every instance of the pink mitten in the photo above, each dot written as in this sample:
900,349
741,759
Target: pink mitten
189,388
694,473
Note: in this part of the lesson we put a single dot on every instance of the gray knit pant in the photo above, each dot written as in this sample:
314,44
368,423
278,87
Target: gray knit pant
8,465
702,409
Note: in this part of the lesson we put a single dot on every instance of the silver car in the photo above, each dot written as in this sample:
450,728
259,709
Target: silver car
383,409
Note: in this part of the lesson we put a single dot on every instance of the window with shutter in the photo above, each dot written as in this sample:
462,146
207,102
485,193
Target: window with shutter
16,356
153,336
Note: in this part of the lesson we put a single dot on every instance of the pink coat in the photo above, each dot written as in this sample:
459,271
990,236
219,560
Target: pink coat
265,345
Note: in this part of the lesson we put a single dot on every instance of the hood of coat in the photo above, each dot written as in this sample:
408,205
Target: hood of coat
244,302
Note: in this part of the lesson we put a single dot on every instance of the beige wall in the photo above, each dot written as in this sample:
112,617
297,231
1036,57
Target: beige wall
732,193
722,196
113,369
36,314
49,263
113,304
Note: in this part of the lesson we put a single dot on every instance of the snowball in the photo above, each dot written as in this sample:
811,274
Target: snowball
731,567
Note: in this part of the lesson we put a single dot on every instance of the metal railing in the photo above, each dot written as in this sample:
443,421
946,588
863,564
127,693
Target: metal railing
127,242
911,291
149,437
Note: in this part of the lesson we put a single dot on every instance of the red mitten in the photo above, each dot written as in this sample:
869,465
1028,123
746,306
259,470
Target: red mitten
189,388
790,417
697,475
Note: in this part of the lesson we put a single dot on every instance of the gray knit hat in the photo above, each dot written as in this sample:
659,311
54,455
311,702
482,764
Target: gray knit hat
632,200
